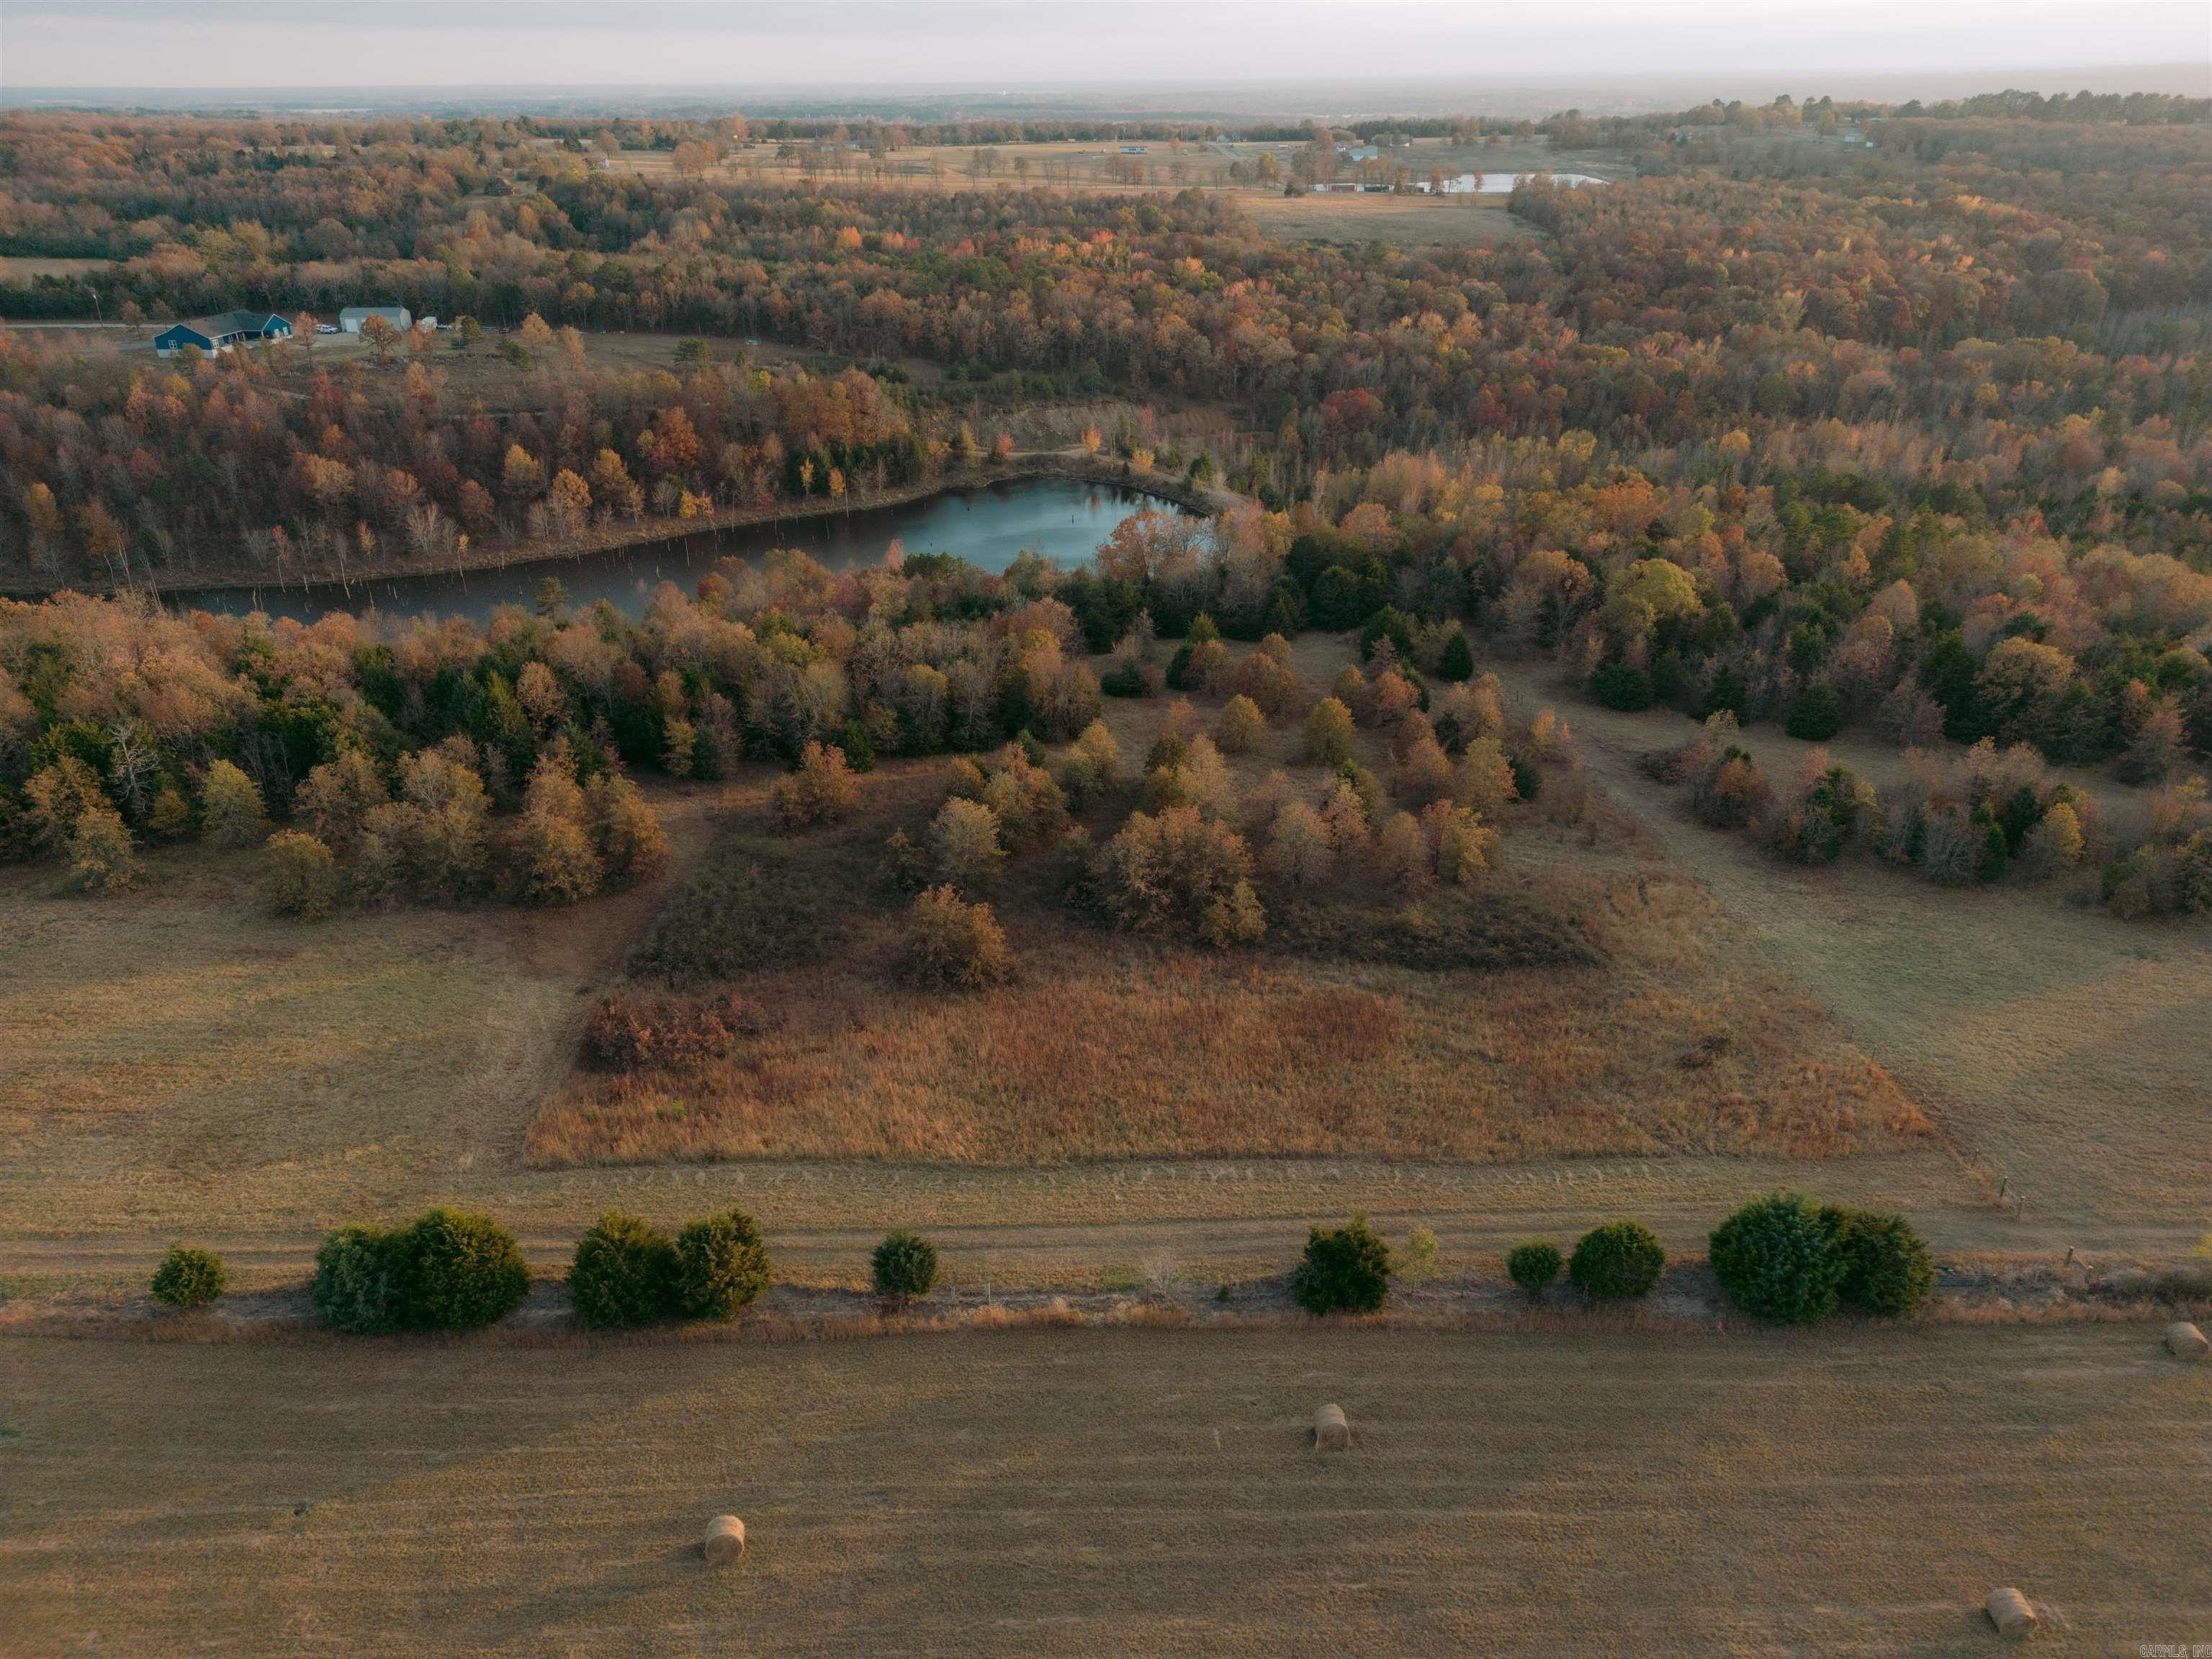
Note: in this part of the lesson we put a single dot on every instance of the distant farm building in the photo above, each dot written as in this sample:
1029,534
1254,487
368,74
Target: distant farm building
222,333
353,317
1502,183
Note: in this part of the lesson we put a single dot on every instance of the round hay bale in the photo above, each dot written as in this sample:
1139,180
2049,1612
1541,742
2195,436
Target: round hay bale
725,1539
1330,1428
2010,1612
2185,1341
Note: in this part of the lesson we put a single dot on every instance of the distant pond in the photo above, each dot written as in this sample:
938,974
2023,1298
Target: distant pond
1062,519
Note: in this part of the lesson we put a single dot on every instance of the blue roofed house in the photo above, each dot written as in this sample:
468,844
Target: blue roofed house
222,333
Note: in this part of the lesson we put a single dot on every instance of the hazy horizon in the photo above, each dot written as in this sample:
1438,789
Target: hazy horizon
107,50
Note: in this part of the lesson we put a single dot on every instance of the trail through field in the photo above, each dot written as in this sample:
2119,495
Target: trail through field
1201,1221
2066,1053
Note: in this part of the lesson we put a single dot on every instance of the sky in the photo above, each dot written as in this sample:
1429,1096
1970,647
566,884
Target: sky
982,44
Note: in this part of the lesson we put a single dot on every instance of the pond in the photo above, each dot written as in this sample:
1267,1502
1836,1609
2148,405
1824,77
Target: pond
1062,519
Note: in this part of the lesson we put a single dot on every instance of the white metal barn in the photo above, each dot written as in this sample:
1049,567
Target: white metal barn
353,317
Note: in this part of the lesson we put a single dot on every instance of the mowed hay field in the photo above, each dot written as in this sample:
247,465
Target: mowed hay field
1401,221
1611,1014
24,269
2067,1052
177,1051
1851,1490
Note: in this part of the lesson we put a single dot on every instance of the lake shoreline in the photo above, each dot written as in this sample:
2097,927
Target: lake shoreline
506,557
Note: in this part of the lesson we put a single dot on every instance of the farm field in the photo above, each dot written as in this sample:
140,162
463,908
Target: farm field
195,1046
301,1076
952,830
2065,1050
1407,221
1077,1491
478,373
1110,1047
26,268
332,1083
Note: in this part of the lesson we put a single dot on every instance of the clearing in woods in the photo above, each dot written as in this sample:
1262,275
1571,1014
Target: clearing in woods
180,1064
2067,1053
1403,221
1610,1012
1851,1490
1408,221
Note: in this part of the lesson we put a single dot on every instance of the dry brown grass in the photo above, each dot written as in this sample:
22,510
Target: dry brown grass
178,1064
1116,1049
177,1046
1110,1046
24,268
1844,1491
2065,1051
1402,220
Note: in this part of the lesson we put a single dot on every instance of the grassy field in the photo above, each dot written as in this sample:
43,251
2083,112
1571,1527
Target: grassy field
25,268
2067,1050
1081,1491
479,373
179,1047
1407,221
1110,1046
180,1064
1401,221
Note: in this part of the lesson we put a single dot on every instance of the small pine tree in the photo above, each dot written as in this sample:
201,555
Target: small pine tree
1779,1259
722,1265
904,1267
1527,781
624,1273
1887,1268
1345,1268
1534,1267
1987,836
860,749
190,1277
1622,685
458,1272
1457,662
357,1287
1619,1260
1816,714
